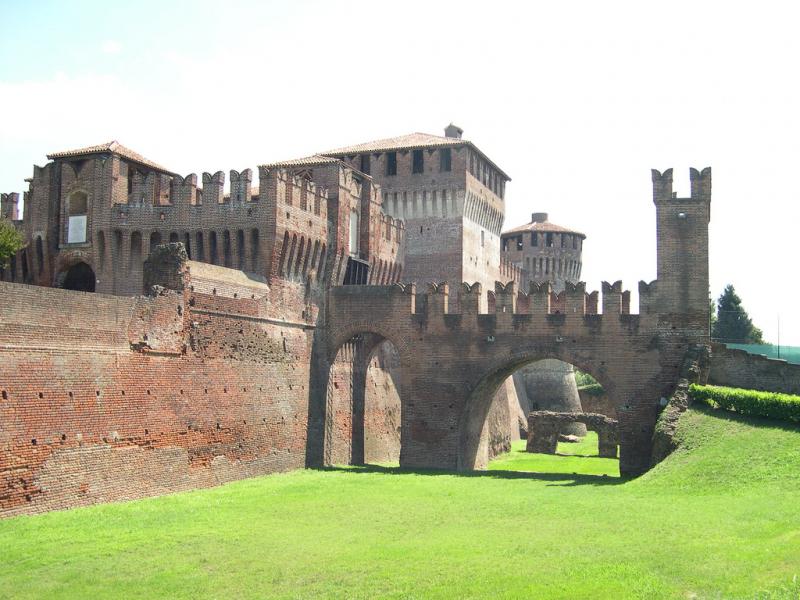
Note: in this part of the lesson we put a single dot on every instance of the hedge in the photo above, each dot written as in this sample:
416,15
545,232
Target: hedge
749,402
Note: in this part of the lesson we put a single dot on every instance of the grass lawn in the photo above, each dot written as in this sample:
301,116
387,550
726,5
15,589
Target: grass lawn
719,519
577,459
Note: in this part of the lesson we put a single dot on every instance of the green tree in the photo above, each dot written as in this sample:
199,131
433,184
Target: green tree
11,242
733,325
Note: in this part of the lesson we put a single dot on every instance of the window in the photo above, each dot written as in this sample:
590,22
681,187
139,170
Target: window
505,244
445,160
574,242
391,163
365,163
519,242
418,162
549,240
482,238
76,223
534,239
353,233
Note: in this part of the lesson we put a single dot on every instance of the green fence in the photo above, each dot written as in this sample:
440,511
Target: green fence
788,353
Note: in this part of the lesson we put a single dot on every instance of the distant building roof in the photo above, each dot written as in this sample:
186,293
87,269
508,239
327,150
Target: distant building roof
314,160
412,141
542,227
113,147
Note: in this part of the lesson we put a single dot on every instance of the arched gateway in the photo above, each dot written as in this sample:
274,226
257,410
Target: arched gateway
453,363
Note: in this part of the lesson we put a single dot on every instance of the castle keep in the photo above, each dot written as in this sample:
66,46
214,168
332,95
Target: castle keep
267,328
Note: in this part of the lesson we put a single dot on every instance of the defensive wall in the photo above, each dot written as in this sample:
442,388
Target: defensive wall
737,368
110,398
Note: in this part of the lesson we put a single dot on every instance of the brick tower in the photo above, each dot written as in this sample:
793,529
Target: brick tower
547,254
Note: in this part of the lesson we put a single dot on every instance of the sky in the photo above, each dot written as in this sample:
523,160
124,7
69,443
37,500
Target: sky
576,101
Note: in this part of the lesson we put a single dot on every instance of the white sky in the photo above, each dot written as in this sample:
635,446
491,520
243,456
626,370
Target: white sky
577,101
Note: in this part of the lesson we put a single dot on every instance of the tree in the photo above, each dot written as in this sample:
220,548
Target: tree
733,325
11,242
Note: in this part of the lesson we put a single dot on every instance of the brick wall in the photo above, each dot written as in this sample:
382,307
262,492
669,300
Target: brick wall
737,368
109,398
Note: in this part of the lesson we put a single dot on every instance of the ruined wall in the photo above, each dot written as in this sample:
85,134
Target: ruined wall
598,403
737,368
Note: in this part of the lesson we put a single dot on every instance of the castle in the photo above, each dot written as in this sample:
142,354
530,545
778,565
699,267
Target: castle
277,334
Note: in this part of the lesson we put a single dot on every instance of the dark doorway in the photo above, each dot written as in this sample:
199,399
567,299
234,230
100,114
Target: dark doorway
80,278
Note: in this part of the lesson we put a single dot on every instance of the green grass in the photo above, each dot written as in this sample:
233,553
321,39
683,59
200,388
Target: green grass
577,459
720,518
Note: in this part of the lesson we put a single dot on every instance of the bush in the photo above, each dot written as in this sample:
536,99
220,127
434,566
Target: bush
584,379
593,389
752,403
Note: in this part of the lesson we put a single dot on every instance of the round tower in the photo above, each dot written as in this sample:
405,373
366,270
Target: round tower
546,252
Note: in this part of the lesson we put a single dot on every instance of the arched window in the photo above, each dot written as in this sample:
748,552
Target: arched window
77,208
155,240
353,233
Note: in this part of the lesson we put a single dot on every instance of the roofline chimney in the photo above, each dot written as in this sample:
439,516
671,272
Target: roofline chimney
453,131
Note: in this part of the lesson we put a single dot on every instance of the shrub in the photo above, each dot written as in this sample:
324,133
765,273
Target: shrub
593,389
749,402
584,379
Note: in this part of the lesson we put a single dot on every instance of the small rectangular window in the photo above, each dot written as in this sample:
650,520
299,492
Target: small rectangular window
519,243
417,165
445,160
549,240
391,163
534,239
365,163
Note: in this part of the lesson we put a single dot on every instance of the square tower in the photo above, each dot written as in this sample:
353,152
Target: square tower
451,197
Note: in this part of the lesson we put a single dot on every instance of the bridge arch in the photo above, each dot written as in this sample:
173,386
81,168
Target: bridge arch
357,406
472,450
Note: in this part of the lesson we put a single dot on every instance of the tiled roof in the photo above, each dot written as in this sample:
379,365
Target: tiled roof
543,227
412,141
111,147
308,161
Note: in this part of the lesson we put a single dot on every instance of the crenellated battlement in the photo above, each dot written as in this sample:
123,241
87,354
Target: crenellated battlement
9,206
540,300
700,188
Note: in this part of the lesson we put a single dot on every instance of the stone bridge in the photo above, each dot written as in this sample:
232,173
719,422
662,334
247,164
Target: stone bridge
454,359
452,363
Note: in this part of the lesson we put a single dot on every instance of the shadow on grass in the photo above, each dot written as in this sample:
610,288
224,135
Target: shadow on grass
561,479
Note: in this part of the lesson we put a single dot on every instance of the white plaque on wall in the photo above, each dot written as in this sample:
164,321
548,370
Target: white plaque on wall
76,230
